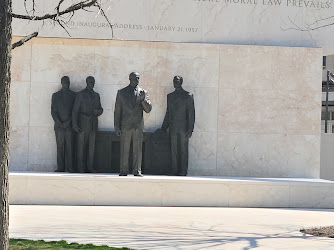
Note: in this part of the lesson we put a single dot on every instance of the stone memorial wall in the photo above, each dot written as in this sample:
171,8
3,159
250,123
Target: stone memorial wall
248,22
257,108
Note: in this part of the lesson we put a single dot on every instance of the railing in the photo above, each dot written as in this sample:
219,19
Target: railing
330,127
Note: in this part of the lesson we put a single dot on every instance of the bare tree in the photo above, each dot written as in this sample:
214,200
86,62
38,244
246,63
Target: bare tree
6,46
5,60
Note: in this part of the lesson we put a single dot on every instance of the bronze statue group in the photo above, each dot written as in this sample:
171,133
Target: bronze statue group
76,115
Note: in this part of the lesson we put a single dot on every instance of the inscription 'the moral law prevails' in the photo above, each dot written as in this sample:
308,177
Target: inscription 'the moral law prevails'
289,3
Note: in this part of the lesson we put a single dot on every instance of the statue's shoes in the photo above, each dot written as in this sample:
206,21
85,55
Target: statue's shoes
91,171
139,175
122,174
182,174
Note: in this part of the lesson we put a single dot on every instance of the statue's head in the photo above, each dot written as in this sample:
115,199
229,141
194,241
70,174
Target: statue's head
134,79
177,81
90,82
65,82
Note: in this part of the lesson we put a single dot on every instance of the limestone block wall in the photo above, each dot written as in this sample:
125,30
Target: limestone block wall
257,108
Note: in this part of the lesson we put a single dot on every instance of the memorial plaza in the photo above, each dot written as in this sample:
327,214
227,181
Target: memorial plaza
172,227
237,94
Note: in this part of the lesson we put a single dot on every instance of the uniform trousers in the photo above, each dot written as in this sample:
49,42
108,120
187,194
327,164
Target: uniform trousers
64,140
86,145
179,151
136,136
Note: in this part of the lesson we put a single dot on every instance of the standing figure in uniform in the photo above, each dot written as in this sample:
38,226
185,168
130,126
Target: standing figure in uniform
131,101
86,109
61,111
180,119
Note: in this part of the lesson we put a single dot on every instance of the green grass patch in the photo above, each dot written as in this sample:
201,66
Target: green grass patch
20,244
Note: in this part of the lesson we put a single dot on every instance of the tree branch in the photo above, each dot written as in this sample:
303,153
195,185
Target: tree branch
105,16
60,22
72,8
310,27
82,5
24,40
58,6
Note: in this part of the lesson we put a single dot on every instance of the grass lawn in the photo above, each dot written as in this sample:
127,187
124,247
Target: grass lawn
19,244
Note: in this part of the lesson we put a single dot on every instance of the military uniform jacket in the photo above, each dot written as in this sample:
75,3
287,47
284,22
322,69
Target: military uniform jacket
61,106
129,109
180,114
86,102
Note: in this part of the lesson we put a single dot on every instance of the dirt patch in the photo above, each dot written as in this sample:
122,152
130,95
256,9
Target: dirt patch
320,231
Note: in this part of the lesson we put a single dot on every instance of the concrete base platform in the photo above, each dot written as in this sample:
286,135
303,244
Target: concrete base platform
110,189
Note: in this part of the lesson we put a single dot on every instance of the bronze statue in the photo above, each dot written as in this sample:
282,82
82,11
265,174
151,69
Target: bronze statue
86,109
180,119
61,111
131,101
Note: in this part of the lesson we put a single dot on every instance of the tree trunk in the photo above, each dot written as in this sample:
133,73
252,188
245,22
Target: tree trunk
5,61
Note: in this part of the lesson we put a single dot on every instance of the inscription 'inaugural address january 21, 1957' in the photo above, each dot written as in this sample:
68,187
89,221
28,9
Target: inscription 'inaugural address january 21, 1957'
158,28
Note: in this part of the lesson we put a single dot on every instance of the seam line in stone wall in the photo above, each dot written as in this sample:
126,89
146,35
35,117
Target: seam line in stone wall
92,41
282,90
262,133
30,86
289,205
162,192
118,85
218,105
229,193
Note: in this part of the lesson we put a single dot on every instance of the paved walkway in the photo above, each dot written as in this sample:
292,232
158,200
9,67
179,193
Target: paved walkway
172,227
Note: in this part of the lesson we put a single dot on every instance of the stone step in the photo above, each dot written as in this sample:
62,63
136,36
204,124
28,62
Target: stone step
47,188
